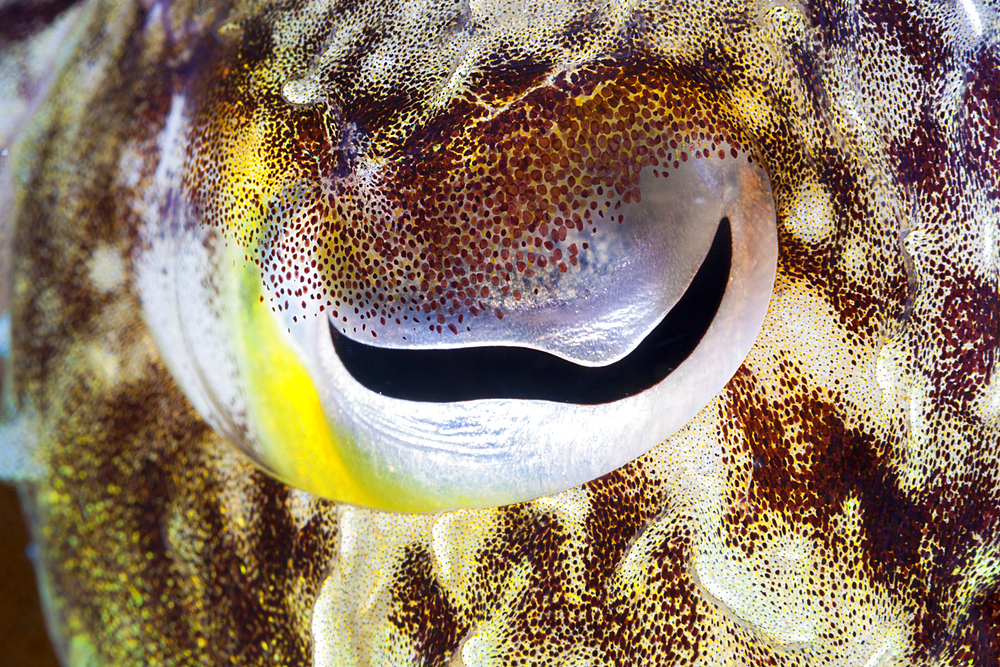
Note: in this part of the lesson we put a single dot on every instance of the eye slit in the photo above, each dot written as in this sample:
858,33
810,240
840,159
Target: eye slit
492,372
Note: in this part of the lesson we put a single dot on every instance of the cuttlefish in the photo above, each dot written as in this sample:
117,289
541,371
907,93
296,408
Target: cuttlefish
376,332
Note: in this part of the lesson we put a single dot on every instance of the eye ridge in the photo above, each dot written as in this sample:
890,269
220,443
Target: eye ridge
483,372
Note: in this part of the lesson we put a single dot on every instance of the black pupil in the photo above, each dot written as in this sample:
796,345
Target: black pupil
465,374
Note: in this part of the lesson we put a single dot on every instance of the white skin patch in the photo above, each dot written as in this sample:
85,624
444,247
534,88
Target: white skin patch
359,587
106,269
991,243
302,506
807,328
989,401
810,215
972,15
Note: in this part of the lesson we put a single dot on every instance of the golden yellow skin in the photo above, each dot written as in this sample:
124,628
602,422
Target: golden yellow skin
835,504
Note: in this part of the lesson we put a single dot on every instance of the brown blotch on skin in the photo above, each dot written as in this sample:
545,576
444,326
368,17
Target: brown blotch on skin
425,613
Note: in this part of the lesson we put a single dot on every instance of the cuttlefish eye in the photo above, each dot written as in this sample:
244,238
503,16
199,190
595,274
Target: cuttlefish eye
504,299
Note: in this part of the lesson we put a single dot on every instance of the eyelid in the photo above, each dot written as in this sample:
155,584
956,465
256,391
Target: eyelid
632,269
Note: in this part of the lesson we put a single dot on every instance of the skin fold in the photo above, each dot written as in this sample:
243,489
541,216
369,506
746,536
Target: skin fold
835,504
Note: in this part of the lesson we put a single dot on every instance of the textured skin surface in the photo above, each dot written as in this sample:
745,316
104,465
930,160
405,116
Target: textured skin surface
836,504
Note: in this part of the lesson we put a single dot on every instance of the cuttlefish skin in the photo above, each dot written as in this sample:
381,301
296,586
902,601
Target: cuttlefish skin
835,504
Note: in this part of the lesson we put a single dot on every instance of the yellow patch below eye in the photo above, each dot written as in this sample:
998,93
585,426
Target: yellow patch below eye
299,443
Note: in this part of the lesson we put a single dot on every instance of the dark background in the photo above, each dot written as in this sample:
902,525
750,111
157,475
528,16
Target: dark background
23,640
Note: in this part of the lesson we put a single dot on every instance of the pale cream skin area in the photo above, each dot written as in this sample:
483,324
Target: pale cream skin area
171,171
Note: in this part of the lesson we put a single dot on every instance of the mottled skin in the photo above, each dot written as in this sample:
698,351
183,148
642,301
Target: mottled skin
836,504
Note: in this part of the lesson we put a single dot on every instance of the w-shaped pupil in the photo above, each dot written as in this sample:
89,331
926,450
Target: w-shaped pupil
466,374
